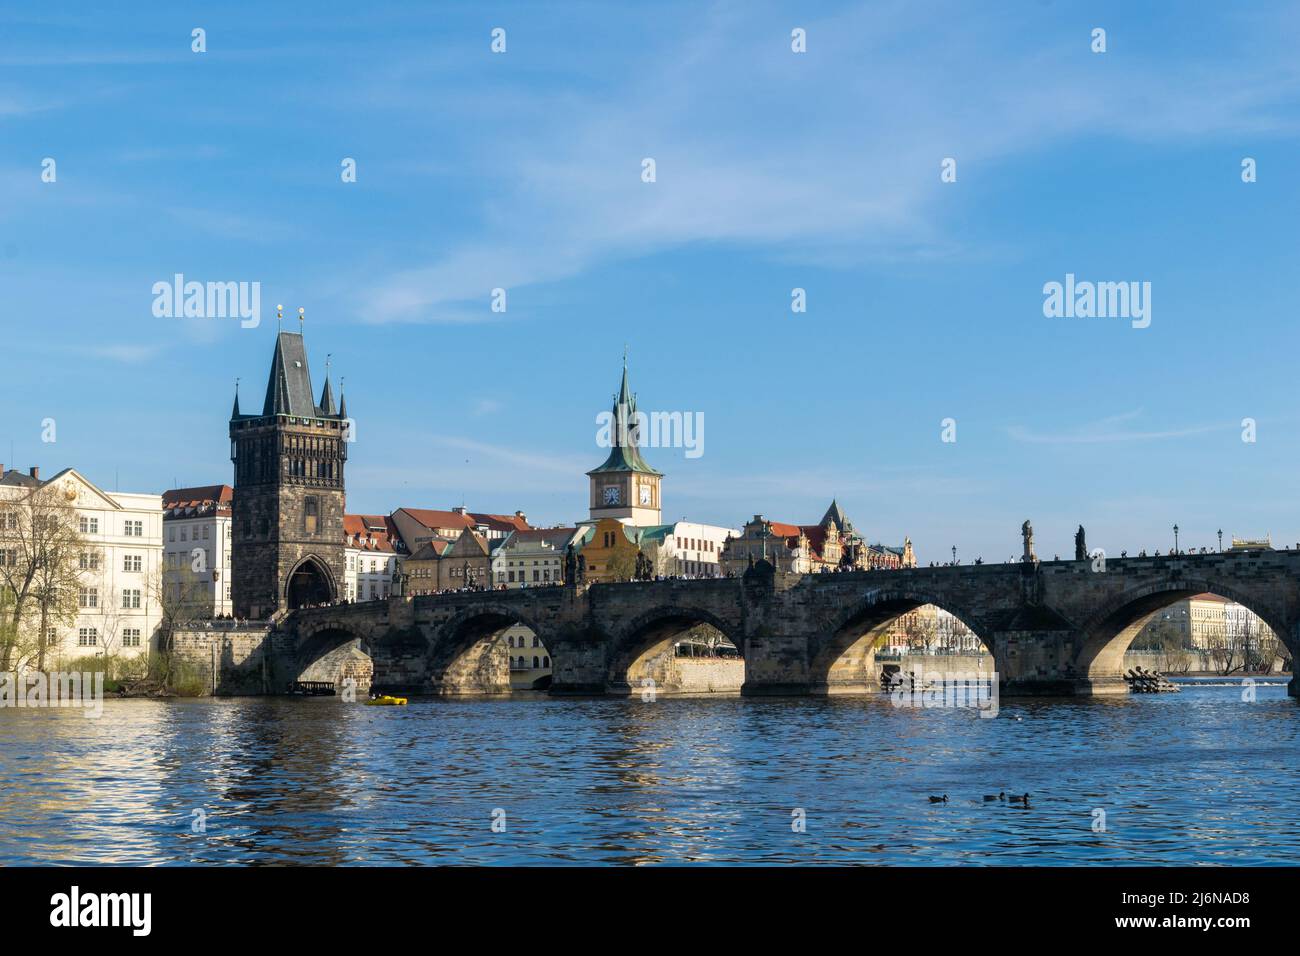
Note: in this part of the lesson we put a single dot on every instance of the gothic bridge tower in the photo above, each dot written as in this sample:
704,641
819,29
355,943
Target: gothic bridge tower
287,512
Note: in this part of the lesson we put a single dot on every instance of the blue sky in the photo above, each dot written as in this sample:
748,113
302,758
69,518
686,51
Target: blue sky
775,170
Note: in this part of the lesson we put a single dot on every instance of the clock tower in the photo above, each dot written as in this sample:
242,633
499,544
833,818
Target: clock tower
625,487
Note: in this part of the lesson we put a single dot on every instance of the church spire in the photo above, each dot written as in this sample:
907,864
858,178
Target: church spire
327,394
235,412
624,454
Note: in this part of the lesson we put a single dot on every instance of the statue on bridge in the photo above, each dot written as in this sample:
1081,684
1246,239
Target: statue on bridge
1027,532
570,567
1080,545
582,568
643,567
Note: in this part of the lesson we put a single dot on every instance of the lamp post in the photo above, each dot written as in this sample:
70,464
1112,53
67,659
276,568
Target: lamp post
1221,540
954,554
1175,539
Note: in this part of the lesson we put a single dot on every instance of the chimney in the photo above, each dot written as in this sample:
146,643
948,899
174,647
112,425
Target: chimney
2,469
35,472
521,516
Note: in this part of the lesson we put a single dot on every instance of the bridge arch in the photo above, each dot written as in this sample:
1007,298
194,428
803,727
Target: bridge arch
1106,635
645,649
331,652
468,653
841,660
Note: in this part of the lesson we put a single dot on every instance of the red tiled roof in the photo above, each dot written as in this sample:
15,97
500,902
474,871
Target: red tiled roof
816,538
191,502
785,530
204,494
440,519
370,533
430,549
501,522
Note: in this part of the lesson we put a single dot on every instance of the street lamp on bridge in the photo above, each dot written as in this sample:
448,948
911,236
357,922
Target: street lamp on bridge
1175,539
1220,539
954,554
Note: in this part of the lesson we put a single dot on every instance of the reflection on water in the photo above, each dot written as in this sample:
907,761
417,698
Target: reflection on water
1194,777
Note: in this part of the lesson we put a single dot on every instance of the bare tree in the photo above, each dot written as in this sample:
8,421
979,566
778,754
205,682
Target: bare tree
40,545
621,566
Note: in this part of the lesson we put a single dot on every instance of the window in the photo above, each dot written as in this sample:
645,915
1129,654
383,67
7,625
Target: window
88,597
130,598
9,557
537,641
171,533
135,529
89,560
87,636
132,562
185,534
9,520
536,663
88,525
310,513
131,637
205,532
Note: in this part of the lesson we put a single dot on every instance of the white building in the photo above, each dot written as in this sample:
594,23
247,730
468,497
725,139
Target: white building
532,558
686,548
119,607
373,553
196,550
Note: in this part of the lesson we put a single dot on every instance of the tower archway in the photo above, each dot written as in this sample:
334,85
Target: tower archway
308,584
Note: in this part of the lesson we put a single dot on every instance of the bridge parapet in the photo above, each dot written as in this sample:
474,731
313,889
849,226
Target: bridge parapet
1052,626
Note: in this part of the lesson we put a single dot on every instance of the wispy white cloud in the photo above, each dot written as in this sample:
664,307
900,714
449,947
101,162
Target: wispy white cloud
1108,430
755,145
130,354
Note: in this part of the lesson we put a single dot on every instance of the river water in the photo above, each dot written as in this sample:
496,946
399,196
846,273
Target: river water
1196,777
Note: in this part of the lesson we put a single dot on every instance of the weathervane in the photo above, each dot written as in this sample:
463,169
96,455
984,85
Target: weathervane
301,317
279,314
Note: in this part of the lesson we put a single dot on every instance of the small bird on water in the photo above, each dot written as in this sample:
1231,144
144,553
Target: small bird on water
1000,796
943,799
1024,799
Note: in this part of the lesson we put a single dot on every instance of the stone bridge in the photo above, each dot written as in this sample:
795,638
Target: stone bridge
1058,627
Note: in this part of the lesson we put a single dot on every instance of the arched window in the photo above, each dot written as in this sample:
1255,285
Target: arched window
546,661
536,662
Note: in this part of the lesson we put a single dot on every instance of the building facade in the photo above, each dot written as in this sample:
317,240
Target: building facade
118,569
532,558
686,549
197,551
288,501
373,553
832,544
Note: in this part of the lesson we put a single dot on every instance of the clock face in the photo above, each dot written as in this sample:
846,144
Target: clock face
645,494
611,495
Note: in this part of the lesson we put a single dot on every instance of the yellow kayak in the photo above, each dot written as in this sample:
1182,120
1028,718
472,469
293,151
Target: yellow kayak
384,700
